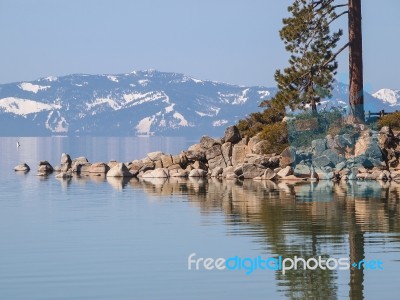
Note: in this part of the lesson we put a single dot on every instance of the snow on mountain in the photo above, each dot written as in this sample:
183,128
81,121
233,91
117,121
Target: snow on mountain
142,103
138,103
389,96
24,107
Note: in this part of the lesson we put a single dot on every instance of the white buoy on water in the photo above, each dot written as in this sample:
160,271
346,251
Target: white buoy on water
18,144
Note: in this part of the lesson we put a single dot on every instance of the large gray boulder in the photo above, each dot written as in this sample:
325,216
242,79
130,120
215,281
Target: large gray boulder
251,171
232,135
318,146
119,170
193,155
302,171
207,142
288,157
322,161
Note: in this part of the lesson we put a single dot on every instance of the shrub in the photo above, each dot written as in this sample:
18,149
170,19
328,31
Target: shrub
256,122
392,120
275,137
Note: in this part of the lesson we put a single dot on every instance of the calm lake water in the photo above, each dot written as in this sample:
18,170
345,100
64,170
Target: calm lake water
99,238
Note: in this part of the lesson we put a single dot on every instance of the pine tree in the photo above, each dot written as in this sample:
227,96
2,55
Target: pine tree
312,65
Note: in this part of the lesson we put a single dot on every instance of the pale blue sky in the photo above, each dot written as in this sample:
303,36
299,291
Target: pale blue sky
234,41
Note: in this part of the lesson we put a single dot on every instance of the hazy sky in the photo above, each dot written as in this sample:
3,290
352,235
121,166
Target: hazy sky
234,41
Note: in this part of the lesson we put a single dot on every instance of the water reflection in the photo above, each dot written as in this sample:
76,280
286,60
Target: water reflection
292,219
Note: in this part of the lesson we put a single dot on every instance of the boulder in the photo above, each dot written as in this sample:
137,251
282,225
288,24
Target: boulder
112,163
387,138
166,160
77,162
99,168
288,157
160,173
158,164
207,142
213,152
238,154
269,174
84,168
45,167
232,135
195,155
286,171
174,167
318,146
257,159
217,162
66,162
302,171
217,171
333,156
179,173
322,161
22,168
260,147
153,156
368,145
252,170
226,150
340,166
227,170
119,170
198,173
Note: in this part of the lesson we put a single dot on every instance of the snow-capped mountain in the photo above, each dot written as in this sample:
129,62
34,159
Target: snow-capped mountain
139,103
392,97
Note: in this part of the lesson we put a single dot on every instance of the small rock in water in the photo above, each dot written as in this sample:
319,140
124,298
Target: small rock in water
22,168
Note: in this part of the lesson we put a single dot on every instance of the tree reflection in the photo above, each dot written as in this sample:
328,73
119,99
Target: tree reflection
297,219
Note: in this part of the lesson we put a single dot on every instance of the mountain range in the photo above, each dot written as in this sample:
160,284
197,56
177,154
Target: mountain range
141,103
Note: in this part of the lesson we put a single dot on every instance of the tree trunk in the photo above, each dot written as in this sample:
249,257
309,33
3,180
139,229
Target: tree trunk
356,92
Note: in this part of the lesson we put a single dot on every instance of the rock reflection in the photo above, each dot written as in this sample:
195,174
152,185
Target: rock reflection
293,219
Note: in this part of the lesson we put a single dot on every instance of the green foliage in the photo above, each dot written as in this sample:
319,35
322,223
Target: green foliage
275,137
256,122
312,65
392,120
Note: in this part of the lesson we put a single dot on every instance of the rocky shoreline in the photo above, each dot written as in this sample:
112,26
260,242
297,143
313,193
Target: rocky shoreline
371,155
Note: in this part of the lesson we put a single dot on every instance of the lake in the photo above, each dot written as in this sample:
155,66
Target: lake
99,238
